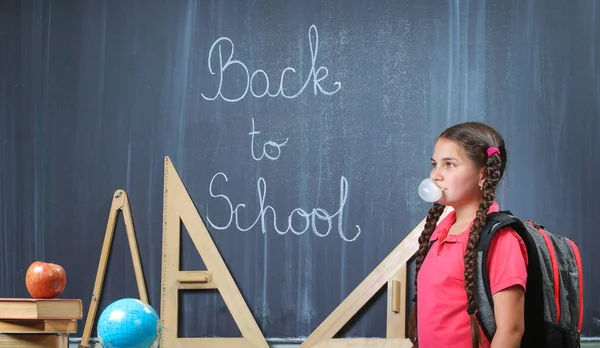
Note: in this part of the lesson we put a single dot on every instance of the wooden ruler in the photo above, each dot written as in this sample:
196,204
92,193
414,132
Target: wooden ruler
179,208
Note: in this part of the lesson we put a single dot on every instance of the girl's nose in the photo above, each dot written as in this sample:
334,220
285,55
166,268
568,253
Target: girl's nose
434,175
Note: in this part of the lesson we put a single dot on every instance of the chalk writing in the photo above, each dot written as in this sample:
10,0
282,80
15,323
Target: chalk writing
309,219
314,75
269,144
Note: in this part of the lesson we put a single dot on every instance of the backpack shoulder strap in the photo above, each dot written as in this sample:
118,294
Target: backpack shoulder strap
495,221
485,304
535,334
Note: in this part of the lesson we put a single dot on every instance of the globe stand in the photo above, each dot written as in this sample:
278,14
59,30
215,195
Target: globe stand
179,208
120,202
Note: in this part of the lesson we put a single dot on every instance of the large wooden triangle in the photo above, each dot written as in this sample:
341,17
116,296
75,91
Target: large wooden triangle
179,208
391,271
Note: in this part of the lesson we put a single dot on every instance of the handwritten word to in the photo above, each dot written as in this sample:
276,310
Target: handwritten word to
314,74
269,144
310,219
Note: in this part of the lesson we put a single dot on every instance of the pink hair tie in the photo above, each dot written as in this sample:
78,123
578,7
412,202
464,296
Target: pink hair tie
493,150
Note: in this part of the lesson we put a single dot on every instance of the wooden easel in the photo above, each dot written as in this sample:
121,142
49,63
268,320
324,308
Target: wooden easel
119,203
392,270
179,207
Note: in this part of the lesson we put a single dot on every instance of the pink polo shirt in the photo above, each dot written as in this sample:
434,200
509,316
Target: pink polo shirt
442,302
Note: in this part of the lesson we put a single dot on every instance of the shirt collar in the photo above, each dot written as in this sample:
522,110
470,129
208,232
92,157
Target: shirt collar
443,227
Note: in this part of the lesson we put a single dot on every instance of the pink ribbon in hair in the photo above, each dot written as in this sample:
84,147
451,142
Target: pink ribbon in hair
493,150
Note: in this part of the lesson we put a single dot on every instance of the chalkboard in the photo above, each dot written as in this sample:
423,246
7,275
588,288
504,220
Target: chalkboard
275,114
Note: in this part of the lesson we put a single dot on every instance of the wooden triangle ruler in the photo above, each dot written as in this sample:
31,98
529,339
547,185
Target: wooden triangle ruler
179,208
120,202
392,270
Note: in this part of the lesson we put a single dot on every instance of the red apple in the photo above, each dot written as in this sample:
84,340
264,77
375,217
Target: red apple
45,280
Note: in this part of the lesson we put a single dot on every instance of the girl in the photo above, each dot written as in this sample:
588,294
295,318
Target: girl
468,161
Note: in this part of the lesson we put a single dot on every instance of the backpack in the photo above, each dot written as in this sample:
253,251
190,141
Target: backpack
554,295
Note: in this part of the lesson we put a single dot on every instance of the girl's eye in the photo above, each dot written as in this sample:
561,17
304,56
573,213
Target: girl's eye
433,164
451,165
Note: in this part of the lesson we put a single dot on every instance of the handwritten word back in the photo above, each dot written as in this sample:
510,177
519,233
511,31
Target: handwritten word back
314,74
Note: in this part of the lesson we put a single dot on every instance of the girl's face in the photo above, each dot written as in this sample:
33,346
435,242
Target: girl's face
455,173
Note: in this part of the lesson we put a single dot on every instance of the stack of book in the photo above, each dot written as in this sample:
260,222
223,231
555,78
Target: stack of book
44,323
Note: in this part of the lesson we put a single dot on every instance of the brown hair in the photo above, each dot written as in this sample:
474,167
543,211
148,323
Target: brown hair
474,138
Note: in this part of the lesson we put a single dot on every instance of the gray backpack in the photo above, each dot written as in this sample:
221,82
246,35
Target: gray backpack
554,295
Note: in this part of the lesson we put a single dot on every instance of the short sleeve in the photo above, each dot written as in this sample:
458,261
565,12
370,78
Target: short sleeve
507,261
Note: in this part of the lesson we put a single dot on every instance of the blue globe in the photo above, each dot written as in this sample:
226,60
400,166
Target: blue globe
128,323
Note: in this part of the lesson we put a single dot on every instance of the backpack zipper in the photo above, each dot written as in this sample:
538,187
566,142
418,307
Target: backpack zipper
580,273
